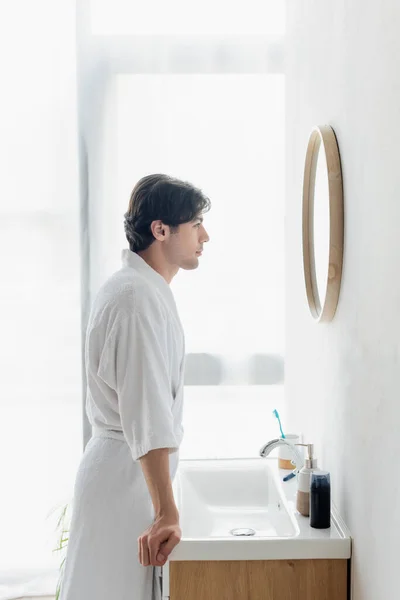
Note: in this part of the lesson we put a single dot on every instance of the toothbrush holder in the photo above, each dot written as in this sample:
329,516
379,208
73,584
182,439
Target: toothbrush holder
285,455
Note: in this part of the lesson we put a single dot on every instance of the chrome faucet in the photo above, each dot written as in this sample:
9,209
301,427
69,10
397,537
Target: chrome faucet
272,444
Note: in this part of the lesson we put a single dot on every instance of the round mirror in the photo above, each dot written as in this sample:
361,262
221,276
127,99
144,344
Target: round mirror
323,226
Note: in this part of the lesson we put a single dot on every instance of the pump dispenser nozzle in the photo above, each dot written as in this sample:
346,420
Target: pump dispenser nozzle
311,461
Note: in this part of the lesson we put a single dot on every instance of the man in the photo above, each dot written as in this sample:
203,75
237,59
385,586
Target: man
125,521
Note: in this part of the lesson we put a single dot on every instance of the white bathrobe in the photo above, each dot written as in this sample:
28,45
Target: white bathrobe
135,353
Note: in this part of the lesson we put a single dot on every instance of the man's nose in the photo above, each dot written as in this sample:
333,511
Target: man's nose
205,237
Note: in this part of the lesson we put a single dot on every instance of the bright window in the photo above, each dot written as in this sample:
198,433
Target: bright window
224,133
187,17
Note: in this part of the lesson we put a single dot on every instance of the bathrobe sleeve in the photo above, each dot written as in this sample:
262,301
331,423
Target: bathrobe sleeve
137,365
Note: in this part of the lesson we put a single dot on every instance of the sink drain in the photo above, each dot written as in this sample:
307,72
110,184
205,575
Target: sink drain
242,531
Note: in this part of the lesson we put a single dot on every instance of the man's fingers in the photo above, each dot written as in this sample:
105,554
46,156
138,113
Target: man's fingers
144,551
167,547
146,557
155,549
154,545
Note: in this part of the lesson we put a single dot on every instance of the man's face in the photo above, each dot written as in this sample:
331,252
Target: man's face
186,244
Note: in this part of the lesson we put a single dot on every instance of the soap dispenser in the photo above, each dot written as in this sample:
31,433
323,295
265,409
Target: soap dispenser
304,481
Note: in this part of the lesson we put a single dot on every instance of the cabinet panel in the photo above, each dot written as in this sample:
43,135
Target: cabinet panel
259,580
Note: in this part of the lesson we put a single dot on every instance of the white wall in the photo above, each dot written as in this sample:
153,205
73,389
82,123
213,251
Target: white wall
343,378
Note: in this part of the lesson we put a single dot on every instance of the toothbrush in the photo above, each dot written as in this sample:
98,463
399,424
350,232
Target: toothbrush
276,414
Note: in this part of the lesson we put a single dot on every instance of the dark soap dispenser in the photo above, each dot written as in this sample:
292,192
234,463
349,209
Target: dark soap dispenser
320,500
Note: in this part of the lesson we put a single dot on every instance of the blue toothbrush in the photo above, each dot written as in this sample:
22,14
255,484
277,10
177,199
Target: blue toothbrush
276,414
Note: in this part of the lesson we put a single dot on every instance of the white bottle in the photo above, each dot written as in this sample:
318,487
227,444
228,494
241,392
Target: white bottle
304,481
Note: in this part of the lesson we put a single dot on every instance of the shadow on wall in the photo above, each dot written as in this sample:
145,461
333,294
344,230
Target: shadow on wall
210,369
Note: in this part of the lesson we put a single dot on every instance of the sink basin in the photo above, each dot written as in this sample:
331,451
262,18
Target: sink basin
215,497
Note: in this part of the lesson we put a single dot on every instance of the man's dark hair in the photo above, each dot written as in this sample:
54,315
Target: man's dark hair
161,197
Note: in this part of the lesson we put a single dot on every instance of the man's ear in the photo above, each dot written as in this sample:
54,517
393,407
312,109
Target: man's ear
159,228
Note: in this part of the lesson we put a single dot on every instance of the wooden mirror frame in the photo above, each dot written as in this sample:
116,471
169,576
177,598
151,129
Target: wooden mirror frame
326,136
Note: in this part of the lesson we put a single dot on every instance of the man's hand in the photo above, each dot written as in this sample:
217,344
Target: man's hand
158,541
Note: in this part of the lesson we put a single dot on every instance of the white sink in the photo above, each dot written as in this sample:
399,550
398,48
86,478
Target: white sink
215,497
